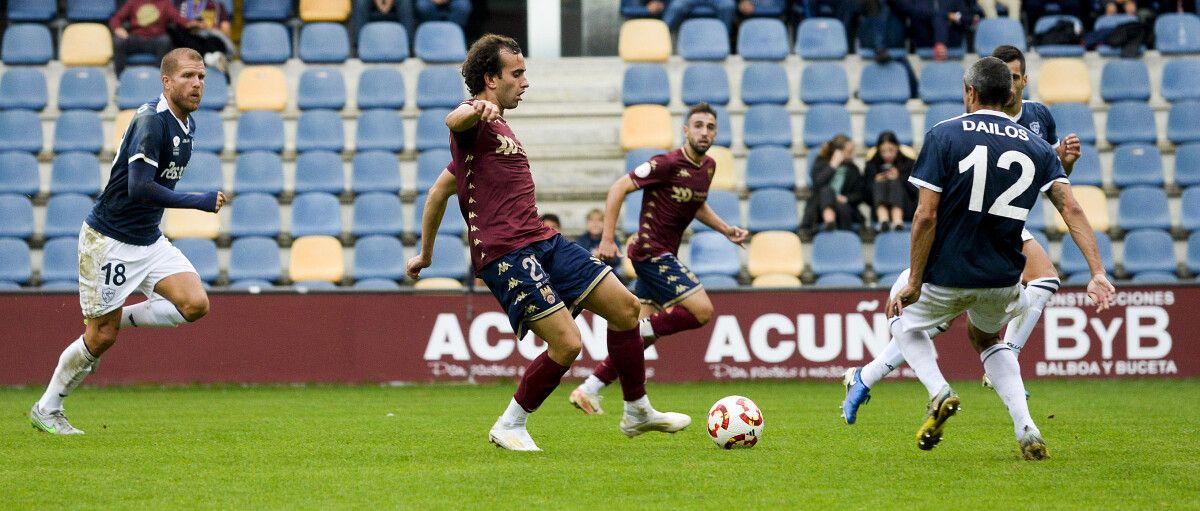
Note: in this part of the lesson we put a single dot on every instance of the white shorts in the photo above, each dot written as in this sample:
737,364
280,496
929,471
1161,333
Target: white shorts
989,309
1025,235
110,271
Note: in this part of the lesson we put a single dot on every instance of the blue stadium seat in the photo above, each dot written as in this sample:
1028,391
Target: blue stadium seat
383,130
725,203
883,83
440,87
706,83
210,132
216,90
91,10
1036,220
993,32
203,255
767,125
1108,22
725,134
20,174
837,252
703,39
1072,261
138,85
23,88
20,130
320,171
941,82
1143,207
1149,250
1130,122
763,82
770,167
258,172
75,172
432,132
1187,165
1193,253
1075,118
65,213
630,210
823,122
254,258
60,259
321,88
83,88
377,213
380,87
1154,277
260,131
449,260
16,265
1042,240
1045,23
762,39
383,41
1183,122
203,174
1189,203
1087,167
711,254
78,130
941,111
32,10
316,214
430,165
1177,33
773,210
453,223
891,252
821,39
1125,80
254,214
645,84
1137,164
26,44
267,10
315,285
375,171
440,42
379,257
1179,80
324,43
637,157
17,212
716,282
888,117
376,285
320,130
823,82
839,280
265,43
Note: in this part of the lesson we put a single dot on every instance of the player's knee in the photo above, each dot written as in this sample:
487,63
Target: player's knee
102,337
194,308
567,349
625,314
703,313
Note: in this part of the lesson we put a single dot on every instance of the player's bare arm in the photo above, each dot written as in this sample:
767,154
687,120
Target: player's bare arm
1100,290
923,228
607,250
467,115
435,207
1068,151
707,216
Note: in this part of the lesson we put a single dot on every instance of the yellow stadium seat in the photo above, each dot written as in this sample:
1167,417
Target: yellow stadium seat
317,258
191,223
775,252
1095,205
1064,81
725,177
438,283
261,88
120,124
644,40
646,126
324,10
776,280
86,44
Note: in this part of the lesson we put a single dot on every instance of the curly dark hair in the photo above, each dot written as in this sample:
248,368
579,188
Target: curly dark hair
484,59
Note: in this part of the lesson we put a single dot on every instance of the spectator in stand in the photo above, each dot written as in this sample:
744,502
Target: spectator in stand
148,22
837,186
444,10
939,25
590,239
749,8
366,11
989,8
1035,9
212,38
1120,7
893,198
551,220
675,11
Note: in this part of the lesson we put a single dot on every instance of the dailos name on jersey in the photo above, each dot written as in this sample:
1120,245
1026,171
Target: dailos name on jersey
993,128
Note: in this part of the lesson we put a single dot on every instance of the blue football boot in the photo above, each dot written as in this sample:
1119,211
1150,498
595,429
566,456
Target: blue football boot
857,394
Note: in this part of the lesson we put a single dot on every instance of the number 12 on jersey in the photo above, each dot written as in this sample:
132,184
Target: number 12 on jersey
978,161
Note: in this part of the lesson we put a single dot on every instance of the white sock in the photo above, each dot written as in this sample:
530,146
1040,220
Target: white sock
156,311
918,351
514,416
646,329
1001,365
1037,293
884,364
639,408
73,365
592,385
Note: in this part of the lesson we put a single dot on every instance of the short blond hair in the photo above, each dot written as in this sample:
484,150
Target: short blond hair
170,61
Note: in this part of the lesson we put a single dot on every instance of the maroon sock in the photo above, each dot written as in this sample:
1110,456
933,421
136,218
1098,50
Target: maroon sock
675,320
605,371
540,379
628,357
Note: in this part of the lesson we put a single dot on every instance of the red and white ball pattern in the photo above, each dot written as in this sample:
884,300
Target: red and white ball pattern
735,421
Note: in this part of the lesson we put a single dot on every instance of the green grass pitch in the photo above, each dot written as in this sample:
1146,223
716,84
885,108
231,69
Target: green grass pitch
1114,445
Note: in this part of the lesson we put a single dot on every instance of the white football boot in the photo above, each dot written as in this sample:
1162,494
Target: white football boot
513,438
648,419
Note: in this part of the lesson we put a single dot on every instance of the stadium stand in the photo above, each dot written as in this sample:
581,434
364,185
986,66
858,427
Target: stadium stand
78,130
1058,81
1094,204
823,122
646,126
60,260
762,39
773,210
714,282
1187,165
32,10
1125,80
440,87
23,88
376,171
452,219
27,44
769,167
73,172
20,130
1183,122
764,82
888,117
85,44
725,174
1135,164
837,252
821,82
703,39
941,111
316,214
138,84
1177,33
377,213
1130,122
1045,23
254,215
725,203
1087,167
322,87
324,10
430,165
383,42
261,88
644,40
1072,261
630,210
16,265
316,258
1190,209
202,253
1143,207
440,42
1075,118
319,171
1149,250
383,130
190,223
645,84
258,172
84,88
376,285
324,43
883,83
260,131
267,10
265,43
1178,80
767,125
839,280
891,252
993,32
321,130
90,10
432,132
821,39
379,257
1036,220
1193,253
20,175
65,213
941,82
254,259
1109,22
380,87
17,212
448,261
204,173
706,83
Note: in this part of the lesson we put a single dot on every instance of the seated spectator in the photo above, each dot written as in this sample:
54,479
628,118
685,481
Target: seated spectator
989,8
1120,7
675,11
148,22
444,10
366,11
551,220
1035,9
212,38
940,25
751,8
590,239
892,196
837,186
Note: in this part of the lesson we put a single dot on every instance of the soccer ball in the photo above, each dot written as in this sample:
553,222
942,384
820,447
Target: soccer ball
735,421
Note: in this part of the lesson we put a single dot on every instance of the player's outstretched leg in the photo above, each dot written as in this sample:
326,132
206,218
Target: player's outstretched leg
1041,282
75,363
540,379
919,353
859,381
942,406
1000,361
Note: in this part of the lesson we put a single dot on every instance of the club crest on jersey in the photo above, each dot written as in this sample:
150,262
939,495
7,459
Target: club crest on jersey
175,141
108,294
548,295
1036,128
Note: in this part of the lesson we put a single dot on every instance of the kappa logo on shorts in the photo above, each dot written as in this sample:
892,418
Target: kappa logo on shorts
531,309
512,283
108,294
520,296
548,295
662,268
503,267
680,288
672,278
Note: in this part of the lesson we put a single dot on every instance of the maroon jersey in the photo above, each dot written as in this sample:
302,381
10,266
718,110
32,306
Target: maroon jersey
674,188
495,192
